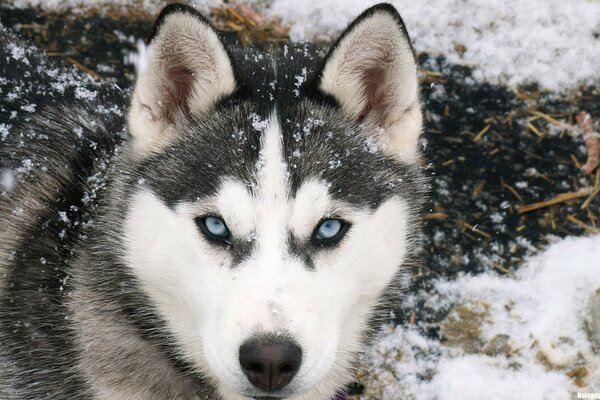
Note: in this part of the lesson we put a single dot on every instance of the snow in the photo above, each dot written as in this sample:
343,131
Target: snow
554,42
4,131
300,79
534,329
140,57
18,53
7,179
257,123
83,93
494,381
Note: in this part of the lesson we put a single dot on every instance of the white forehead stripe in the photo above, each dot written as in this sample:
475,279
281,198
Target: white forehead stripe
273,188
271,168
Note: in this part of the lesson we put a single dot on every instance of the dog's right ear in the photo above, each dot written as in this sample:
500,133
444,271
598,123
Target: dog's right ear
372,73
187,71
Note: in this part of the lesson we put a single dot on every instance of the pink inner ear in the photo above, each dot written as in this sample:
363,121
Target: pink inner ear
176,91
377,94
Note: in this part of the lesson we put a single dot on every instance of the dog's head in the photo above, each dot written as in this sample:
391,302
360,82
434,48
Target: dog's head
273,208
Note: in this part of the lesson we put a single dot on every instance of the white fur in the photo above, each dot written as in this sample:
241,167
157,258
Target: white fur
187,43
378,44
213,308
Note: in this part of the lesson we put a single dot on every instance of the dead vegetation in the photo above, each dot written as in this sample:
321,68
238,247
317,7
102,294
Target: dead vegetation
249,25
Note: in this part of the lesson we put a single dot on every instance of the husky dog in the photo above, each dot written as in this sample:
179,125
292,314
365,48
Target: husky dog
244,241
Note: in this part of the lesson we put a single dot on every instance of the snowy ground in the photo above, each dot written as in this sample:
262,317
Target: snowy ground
531,335
534,333
553,42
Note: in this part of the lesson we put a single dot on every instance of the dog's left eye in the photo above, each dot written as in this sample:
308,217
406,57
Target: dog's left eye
330,231
213,228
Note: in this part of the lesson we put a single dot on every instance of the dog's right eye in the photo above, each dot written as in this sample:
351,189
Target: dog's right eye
214,228
329,232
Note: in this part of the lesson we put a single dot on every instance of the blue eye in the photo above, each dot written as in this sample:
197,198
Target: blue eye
330,231
216,226
213,227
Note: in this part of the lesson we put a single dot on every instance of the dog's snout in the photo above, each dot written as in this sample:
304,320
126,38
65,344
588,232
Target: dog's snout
270,364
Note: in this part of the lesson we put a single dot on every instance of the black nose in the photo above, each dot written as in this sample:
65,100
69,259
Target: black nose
270,363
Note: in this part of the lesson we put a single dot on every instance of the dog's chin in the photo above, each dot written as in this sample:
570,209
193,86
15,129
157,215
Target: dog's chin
282,395
255,394
270,396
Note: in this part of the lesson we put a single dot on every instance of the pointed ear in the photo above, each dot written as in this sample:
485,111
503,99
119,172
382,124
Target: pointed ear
372,73
186,71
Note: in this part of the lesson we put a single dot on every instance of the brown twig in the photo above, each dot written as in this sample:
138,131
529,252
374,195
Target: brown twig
478,137
581,224
82,67
535,130
512,190
561,198
546,117
588,201
250,14
475,229
591,142
501,268
435,216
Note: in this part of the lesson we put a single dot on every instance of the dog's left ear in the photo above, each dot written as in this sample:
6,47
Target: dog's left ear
185,73
372,73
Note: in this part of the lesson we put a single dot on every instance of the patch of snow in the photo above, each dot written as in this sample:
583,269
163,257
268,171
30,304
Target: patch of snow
84,93
509,41
62,215
140,57
7,179
493,378
371,145
258,123
4,131
542,310
29,108
334,164
300,79
18,53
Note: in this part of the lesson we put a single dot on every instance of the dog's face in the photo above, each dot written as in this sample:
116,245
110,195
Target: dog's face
271,214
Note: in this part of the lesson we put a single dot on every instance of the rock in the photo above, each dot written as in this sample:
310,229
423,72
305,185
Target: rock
578,375
462,328
499,345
